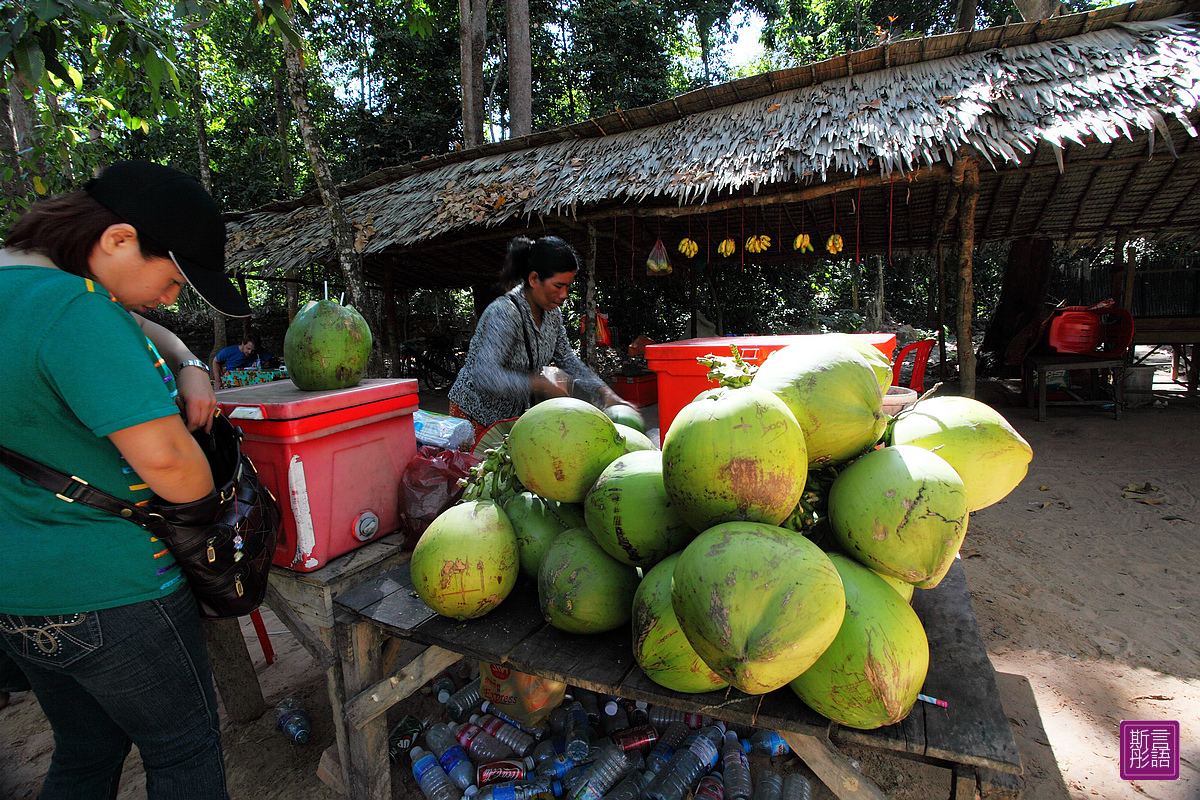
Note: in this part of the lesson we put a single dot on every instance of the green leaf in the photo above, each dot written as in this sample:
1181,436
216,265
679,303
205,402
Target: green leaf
31,63
75,77
47,10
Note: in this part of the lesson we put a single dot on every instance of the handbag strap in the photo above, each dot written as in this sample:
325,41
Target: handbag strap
73,489
525,331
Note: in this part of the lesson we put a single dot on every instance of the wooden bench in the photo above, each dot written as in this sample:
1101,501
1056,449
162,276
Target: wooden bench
1038,365
971,736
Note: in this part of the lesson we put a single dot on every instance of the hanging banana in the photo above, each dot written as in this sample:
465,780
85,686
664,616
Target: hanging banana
688,247
758,244
803,243
835,243
727,247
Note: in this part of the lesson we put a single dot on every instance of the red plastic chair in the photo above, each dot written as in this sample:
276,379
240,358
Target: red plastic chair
920,361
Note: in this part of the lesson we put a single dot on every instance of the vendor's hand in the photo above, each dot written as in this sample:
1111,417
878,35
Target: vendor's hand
540,384
196,398
611,398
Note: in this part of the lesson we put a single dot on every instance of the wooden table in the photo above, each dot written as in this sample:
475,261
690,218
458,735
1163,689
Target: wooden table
1038,364
971,736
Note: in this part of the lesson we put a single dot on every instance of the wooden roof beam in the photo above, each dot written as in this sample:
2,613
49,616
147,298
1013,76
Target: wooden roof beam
1051,196
1121,195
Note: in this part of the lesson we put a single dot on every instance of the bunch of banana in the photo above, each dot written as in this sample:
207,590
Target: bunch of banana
758,244
494,478
688,247
730,371
803,243
727,247
835,243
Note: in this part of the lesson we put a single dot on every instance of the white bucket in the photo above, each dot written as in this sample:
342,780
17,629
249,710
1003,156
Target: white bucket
1138,385
897,399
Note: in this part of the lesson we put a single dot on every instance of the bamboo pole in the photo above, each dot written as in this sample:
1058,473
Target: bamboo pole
589,328
1130,275
966,283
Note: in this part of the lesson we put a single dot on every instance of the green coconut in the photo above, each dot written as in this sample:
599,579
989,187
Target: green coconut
832,391
659,645
634,439
758,603
734,454
630,515
625,415
903,588
560,446
466,562
870,674
536,525
327,346
900,510
984,449
880,363
583,589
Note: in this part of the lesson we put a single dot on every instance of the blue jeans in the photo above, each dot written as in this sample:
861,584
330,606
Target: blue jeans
132,674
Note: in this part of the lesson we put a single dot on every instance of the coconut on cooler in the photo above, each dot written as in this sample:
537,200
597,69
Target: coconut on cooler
327,346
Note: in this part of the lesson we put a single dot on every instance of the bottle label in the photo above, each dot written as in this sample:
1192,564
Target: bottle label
496,771
693,720
466,733
639,738
423,766
452,758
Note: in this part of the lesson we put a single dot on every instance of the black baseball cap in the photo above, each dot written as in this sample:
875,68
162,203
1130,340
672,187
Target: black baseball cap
172,209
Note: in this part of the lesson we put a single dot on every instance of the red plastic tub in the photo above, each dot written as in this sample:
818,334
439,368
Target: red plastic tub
332,458
641,390
681,377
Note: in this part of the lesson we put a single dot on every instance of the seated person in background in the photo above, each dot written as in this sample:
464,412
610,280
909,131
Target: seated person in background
248,354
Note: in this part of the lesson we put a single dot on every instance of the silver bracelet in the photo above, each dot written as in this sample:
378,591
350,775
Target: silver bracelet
194,362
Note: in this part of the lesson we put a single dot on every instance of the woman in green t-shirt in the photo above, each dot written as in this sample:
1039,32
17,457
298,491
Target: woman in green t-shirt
92,609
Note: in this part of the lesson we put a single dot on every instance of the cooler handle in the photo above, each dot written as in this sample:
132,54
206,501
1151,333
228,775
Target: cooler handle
247,412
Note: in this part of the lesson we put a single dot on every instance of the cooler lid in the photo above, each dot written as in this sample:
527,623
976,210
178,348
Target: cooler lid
690,349
282,400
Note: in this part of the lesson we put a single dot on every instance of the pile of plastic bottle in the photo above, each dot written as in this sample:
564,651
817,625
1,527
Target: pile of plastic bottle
593,748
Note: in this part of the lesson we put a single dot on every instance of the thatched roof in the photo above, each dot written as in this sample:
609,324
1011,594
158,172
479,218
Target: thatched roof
1087,124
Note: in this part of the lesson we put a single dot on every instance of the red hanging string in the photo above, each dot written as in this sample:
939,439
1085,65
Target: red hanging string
632,245
743,243
616,270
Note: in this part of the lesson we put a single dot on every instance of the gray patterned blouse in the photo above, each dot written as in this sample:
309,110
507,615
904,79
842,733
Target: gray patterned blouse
494,383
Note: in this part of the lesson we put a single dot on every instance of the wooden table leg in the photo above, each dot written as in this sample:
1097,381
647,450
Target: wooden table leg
965,782
1041,379
832,767
365,762
233,671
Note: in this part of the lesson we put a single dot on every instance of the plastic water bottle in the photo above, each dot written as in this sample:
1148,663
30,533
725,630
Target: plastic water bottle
603,774
451,756
710,788
661,717
558,719
736,769
631,786
796,787
715,733
520,741
489,707
766,743
434,782
481,745
549,748
590,705
293,720
638,714
666,746
577,733
513,790
769,786
442,688
460,704
556,767
685,768
616,721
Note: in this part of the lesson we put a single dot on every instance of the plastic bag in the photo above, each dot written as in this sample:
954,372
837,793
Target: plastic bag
428,487
603,334
658,263
526,698
442,430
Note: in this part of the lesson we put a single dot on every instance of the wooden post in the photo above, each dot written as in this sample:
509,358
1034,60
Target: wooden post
392,332
589,328
879,291
941,310
1130,275
368,775
966,283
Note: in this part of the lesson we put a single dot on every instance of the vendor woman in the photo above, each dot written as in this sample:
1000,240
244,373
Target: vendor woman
520,333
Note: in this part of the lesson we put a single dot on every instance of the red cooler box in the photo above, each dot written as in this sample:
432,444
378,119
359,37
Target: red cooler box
681,377
333,460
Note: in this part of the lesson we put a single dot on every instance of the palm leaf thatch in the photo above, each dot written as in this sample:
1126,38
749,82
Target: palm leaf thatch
1085,126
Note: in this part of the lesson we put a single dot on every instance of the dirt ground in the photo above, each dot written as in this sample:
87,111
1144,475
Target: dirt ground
1087,596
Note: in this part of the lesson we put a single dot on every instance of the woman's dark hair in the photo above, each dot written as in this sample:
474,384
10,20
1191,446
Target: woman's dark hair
548,256
66,228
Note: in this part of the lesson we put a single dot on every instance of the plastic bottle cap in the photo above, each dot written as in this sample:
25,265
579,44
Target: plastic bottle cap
610,707
473,719
746,746
471,791
443,697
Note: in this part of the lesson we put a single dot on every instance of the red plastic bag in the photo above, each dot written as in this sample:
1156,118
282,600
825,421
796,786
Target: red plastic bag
428,487
603,335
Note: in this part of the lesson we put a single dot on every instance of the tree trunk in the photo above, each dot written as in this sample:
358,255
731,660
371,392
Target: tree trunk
966,284
965,16
589,327
1026,280
349,260
283,126
472,38
23,118
520,70
8,151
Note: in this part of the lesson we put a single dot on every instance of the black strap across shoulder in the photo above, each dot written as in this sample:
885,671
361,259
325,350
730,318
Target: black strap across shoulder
525,331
